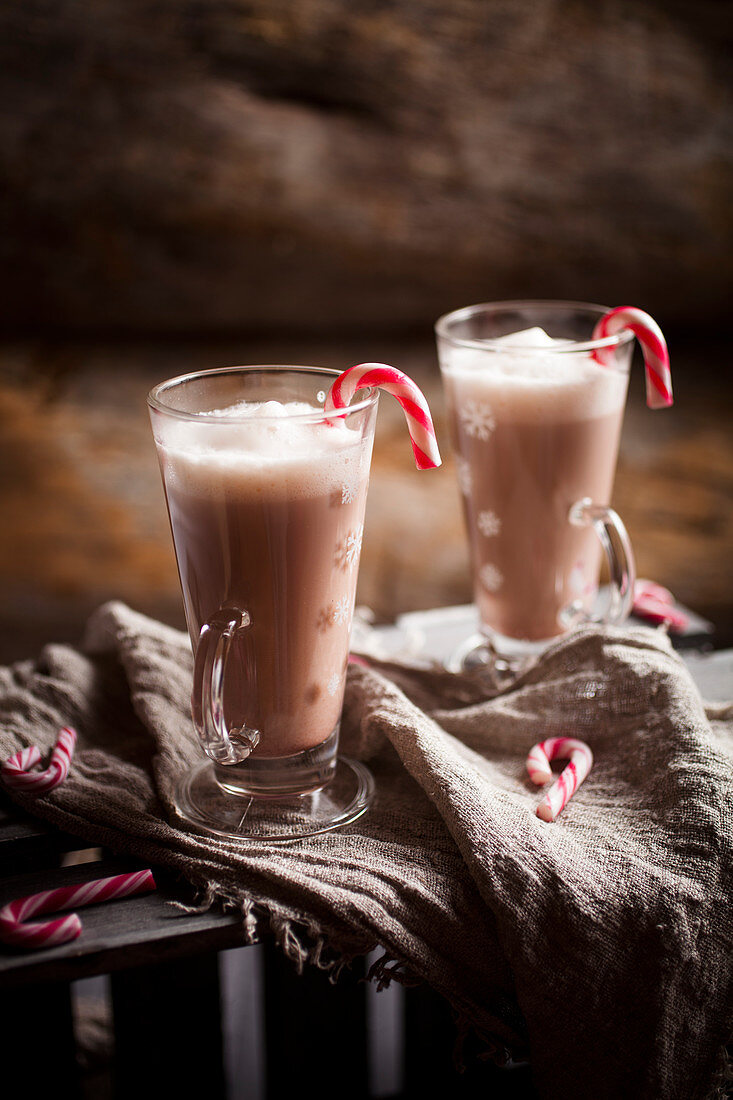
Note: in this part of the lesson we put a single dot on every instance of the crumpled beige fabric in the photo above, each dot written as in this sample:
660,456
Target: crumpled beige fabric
601,944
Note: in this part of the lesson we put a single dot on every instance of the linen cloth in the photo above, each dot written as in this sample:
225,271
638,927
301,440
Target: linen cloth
599,945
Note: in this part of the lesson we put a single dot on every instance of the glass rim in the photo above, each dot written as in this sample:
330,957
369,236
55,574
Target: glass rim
154,399
571,347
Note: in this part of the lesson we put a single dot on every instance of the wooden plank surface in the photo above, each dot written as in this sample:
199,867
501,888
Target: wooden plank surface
27,843
235,164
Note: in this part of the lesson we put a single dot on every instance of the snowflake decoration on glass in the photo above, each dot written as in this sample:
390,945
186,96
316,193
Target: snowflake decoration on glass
477,419
463,469
347,551
348,493
577,582
488,524
333,684
342,611
353,545
491,578
324,619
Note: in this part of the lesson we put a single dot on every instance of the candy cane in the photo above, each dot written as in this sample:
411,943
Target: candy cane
567,783
410,397
50,933
653,346
655,603
16,772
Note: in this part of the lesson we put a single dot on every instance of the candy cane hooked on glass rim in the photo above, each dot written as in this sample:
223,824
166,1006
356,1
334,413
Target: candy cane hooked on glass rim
51,933
16,773
409,395
653,346
538,765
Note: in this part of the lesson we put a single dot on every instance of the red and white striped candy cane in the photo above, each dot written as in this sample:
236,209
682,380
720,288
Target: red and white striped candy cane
16,772
567,783
50,933
653,346
410,397
655,603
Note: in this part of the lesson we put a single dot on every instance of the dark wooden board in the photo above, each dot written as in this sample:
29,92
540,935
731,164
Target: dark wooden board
27,843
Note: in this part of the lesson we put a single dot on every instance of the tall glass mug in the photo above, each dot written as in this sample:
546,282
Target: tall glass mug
266,502
535,407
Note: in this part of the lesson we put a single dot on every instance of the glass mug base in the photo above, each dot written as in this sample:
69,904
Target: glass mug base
507,658
281,776
205,805
504,658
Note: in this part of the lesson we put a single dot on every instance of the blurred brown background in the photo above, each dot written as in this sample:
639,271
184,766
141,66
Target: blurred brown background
315,181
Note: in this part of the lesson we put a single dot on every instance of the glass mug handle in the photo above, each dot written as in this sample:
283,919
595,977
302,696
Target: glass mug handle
224,745
616,544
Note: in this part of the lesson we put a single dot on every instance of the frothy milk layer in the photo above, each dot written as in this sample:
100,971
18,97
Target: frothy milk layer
534,385
251,448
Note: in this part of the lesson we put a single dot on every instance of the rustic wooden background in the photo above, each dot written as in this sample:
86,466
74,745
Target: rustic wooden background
178,166
189,185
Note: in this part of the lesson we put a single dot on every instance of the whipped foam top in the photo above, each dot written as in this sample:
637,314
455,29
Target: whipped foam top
529,338
520,382
262,410
252,447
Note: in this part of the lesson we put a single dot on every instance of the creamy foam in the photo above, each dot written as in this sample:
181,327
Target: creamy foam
533,385
529,338
248,447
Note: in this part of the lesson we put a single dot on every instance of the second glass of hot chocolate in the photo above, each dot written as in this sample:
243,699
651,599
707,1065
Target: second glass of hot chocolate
535,406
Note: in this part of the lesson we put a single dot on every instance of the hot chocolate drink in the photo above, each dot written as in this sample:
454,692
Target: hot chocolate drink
533,434
266,504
